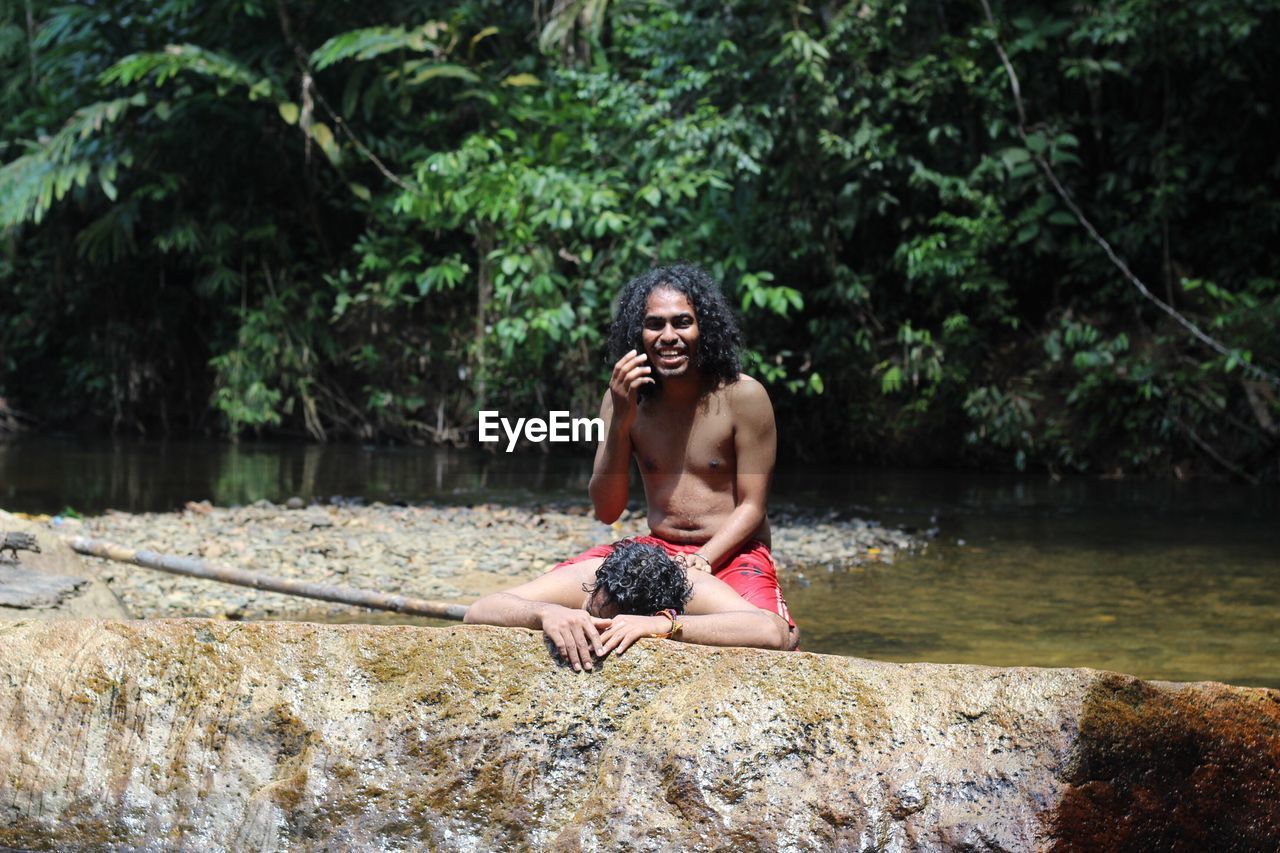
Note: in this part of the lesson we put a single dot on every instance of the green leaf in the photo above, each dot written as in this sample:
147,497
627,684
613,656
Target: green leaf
892,380
444,70
288,112
33,182
521,80
323,136
482,35
371,42
1014,156
162,66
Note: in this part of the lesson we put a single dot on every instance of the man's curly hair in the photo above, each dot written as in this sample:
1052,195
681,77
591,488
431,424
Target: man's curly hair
642,579
718,337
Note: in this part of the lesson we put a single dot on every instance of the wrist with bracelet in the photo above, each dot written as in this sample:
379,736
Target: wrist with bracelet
698,555
674,631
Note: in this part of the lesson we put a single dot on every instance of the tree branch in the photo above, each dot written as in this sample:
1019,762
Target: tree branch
1213,454
310,91
1116,260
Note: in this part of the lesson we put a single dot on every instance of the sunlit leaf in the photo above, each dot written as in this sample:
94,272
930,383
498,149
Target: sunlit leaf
521,80
446,70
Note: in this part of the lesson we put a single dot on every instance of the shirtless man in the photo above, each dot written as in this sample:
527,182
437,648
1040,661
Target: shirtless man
703,435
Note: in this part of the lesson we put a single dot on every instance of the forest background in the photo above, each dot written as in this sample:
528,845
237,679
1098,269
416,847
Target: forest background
368,220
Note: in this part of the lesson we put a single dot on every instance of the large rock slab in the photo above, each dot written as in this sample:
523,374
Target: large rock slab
55,583
222,736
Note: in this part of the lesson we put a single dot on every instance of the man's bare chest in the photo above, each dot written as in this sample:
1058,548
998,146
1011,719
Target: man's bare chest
700,442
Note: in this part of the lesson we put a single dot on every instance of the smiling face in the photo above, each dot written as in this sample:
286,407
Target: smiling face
670,333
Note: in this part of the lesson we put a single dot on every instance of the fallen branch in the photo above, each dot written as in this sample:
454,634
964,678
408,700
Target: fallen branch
191,567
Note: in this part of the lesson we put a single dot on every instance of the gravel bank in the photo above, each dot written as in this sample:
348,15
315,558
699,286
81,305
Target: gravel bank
446,553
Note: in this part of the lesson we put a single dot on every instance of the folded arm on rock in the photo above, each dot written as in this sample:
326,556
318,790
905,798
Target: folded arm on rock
554,604
526,605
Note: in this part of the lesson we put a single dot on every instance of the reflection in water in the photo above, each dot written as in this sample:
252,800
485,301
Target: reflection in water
1160,579
46,475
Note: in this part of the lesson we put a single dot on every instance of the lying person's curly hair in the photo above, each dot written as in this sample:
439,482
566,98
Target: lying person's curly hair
642,579
718,337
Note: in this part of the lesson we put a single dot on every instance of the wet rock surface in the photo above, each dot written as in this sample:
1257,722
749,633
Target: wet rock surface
212,735
51,583
448,553
25,589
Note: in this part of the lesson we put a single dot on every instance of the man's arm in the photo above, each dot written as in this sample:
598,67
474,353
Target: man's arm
611,473
549,604
755,439
715,616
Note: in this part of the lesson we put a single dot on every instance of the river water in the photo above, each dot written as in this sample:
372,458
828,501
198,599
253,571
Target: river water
1164,580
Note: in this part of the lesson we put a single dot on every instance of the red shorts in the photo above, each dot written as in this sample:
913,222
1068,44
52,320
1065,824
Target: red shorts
751,572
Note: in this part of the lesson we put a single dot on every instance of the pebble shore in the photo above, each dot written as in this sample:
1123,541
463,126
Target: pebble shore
444,553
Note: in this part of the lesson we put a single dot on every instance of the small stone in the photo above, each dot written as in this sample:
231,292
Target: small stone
295,502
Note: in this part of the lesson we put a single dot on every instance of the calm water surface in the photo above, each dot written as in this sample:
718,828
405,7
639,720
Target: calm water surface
1163,580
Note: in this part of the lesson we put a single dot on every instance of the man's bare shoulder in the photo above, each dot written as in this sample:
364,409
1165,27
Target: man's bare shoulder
749,386
747,395
576,574
712,595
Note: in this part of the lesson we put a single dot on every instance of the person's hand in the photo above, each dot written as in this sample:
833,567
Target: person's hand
694,562
575,634
628,628
629,374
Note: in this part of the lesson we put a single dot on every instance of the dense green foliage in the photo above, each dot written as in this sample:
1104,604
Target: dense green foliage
370,220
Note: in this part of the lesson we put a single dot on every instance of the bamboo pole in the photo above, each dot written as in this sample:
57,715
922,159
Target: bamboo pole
241,577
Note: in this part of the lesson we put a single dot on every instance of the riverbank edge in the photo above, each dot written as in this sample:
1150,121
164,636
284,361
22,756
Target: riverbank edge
442,553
